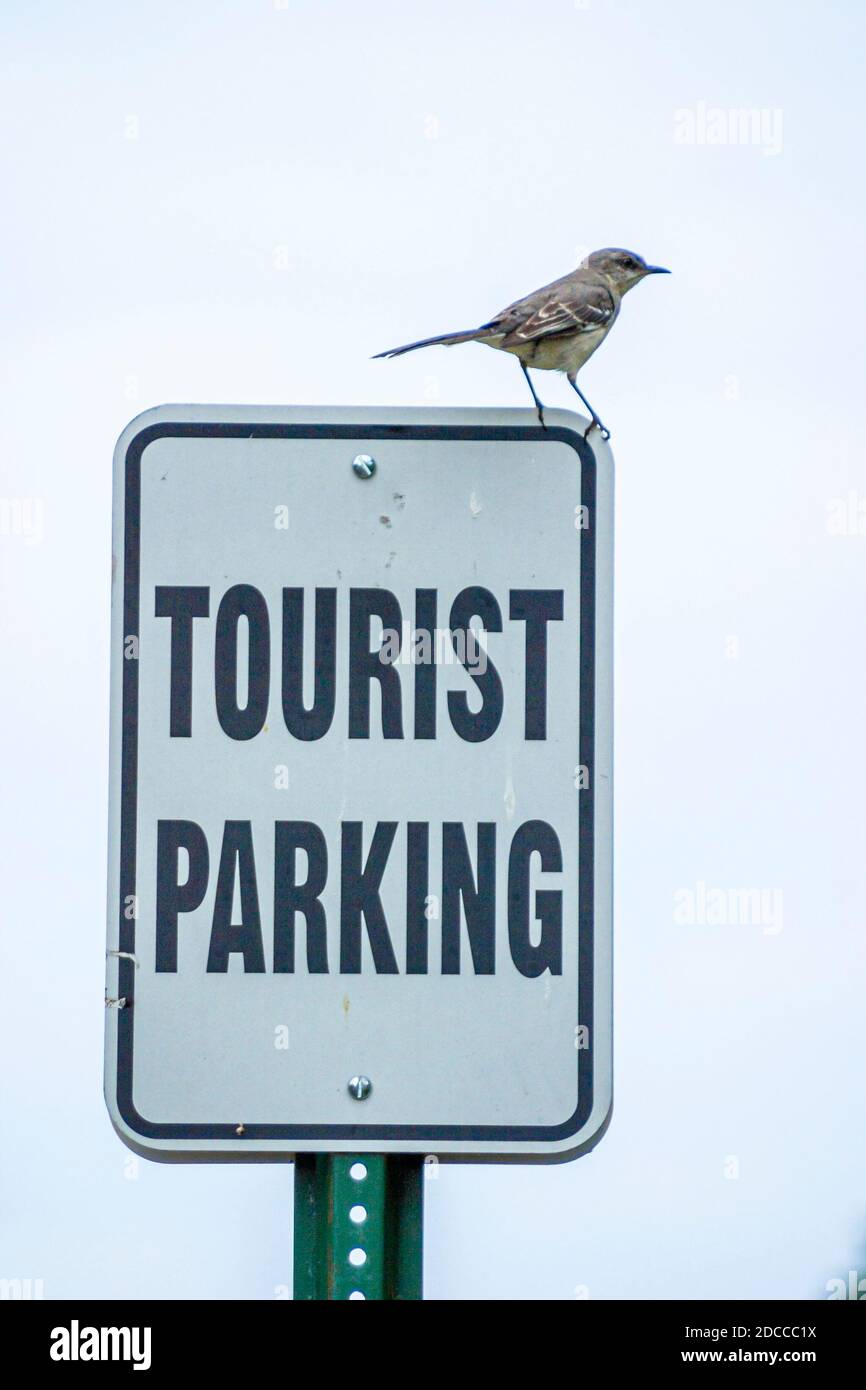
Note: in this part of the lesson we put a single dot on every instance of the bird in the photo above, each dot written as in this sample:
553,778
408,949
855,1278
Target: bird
559,327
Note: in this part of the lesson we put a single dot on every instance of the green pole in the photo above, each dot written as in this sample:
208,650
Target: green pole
358,1226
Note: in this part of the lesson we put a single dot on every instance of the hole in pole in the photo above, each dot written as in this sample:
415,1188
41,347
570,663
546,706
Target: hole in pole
357,1257
358,1214
358,1171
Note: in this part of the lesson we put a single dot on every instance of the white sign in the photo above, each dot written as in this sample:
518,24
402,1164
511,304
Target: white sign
360,849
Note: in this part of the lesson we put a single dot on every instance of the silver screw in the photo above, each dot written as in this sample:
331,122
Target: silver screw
360,1087
363,465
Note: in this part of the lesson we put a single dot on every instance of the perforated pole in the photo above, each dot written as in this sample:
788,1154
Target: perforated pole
358,1226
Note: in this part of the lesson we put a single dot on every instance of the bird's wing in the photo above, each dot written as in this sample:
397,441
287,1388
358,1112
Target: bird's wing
569,306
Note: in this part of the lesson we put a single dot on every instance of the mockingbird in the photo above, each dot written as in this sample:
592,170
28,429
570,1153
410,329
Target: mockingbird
558,327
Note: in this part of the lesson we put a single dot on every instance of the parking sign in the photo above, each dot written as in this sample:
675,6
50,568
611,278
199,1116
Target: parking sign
360,844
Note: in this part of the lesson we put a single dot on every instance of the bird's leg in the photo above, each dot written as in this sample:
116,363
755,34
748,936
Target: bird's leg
605,433
538,406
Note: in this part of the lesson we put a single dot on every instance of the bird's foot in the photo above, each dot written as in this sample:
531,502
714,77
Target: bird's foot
540,413
595,423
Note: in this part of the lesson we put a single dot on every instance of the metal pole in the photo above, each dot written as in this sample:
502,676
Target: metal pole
358,1226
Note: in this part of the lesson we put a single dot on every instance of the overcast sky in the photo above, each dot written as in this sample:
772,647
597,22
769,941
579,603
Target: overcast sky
240,201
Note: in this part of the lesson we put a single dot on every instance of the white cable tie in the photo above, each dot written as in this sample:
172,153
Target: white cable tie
124,955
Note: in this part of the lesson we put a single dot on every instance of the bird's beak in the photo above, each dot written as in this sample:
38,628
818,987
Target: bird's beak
657,270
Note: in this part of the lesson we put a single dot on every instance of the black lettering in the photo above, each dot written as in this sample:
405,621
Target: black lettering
537,608
313,723
425,663
475,602
366,665
242,601
245,936
534,837
417,884
291,897
479,903
359,897
181,605
173,897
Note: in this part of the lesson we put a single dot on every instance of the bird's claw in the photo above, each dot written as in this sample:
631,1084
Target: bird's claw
602,429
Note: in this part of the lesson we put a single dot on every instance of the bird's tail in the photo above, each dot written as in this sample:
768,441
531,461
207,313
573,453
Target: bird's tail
448,339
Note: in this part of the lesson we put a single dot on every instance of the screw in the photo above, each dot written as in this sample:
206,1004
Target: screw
360,1087
363,465
240,1130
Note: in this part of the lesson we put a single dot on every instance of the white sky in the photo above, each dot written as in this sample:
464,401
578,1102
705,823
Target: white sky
307,185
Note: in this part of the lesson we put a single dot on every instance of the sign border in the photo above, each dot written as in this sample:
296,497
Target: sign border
295,1135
